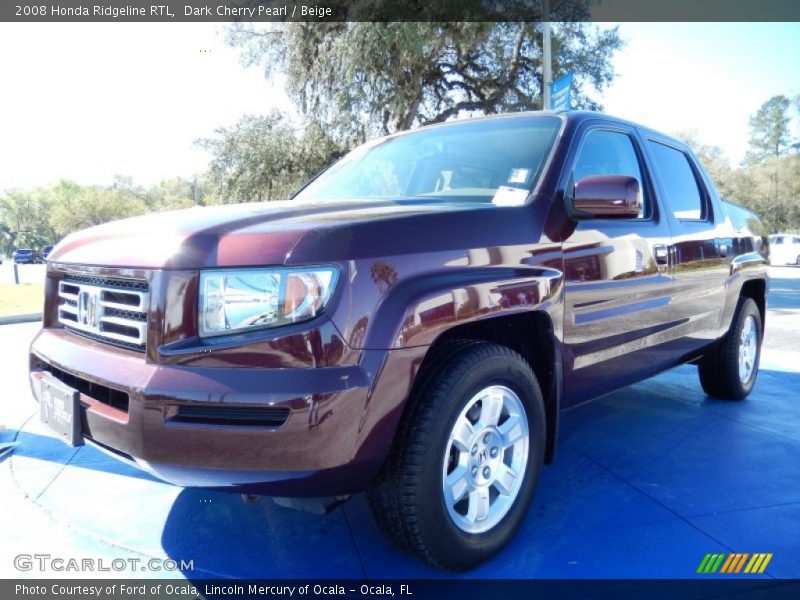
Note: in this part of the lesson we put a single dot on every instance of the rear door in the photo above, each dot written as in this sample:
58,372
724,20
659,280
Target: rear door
618,284
702,243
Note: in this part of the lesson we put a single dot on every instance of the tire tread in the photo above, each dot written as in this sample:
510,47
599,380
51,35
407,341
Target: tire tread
719,367
394,496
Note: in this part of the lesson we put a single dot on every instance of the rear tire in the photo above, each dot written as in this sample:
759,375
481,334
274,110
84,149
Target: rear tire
729,369
466,458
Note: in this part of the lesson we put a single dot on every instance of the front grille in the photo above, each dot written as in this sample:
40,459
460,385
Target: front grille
95,391
268,416
113,311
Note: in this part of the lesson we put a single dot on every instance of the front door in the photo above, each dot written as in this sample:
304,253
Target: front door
617,275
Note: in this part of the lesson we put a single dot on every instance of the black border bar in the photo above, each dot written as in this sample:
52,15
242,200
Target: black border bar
414,589
396,10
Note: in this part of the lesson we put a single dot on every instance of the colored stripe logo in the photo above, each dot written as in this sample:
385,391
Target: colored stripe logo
737,562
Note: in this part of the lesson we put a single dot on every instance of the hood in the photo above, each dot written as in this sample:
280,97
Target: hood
226,235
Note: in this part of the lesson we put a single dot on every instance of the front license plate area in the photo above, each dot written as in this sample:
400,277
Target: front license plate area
59,407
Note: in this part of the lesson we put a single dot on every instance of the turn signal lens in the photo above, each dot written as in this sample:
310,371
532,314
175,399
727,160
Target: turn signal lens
306,293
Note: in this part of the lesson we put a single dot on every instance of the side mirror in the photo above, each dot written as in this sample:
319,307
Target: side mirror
605,197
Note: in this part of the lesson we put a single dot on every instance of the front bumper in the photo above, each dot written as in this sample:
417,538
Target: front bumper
322,449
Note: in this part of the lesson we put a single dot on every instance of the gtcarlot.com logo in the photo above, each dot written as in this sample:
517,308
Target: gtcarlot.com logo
737,562
48,562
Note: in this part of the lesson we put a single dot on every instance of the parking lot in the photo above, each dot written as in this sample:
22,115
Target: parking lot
646,482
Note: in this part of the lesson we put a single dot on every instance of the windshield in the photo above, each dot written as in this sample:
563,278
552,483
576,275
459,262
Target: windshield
494,161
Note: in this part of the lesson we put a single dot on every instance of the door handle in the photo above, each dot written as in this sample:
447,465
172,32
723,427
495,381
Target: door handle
661,253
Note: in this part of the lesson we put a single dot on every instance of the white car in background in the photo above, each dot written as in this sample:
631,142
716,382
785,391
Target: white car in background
784,249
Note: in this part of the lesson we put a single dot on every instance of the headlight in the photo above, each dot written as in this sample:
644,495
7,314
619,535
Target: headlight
234,300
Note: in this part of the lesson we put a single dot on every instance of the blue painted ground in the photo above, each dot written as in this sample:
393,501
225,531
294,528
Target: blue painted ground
646,482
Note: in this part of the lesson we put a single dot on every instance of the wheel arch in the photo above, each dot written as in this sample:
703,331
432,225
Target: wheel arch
757,290
531,334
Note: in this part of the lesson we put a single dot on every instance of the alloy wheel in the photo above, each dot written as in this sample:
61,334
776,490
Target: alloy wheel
748,349
485,459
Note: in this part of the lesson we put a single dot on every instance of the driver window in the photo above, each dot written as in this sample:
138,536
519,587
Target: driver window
605,152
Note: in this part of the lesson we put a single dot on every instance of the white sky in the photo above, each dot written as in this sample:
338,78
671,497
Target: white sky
88,101
710,77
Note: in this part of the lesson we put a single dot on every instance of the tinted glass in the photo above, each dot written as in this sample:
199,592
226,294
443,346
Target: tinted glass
680,184
497,160
606,152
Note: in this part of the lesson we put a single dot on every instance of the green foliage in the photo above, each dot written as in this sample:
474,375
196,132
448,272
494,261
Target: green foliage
362,79
24,220
770,136
42,216
714,160
354,81
770,187
263,158
252,160
176,193
769,181
81,207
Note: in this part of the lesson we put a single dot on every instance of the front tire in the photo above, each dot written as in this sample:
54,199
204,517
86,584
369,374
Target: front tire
466,459
729,369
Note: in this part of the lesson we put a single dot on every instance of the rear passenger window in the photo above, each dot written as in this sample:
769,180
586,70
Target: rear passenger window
681,188
605,152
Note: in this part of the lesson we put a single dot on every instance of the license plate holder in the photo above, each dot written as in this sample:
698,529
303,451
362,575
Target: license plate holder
59,409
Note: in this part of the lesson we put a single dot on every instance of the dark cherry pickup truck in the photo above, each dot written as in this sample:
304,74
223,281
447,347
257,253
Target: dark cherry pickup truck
410,324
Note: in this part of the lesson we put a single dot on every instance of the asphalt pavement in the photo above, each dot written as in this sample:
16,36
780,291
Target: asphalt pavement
646,482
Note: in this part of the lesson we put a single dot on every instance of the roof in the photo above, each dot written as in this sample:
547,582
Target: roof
571,117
